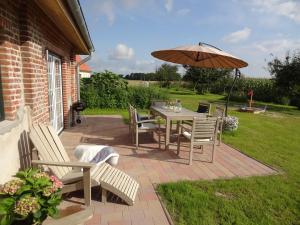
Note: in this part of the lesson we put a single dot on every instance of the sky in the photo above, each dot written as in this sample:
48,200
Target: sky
125,32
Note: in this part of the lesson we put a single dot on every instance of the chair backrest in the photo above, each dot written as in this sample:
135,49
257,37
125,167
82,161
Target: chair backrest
49,147
130,109
219,112
204,128
204,108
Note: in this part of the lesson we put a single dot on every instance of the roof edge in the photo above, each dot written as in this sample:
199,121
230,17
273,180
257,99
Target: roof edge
77,13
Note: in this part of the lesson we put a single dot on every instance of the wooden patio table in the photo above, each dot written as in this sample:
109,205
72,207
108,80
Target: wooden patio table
170,115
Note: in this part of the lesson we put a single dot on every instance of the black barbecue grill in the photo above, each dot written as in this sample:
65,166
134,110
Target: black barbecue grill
77,108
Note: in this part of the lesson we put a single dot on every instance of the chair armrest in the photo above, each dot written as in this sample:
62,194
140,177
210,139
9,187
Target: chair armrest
64,164
147,121
185,128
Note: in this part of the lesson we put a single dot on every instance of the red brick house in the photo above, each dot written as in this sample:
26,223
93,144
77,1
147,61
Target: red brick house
85,70
38,70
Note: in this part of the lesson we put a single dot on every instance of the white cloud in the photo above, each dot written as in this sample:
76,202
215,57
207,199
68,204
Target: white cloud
169,5
183,12
122,52
124,67
107,8
287,8
278,46
237,36
130,3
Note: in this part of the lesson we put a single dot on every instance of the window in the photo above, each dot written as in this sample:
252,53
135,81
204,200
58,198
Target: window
1,100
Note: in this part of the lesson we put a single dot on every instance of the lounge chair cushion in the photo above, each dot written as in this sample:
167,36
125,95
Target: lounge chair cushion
96,154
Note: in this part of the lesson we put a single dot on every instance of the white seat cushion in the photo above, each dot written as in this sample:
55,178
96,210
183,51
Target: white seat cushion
188,135
148,126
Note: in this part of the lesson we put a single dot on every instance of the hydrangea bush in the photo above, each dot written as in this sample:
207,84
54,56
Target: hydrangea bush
29,198
231,123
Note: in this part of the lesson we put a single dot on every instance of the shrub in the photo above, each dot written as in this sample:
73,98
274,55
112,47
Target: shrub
141,97
108,90
29,198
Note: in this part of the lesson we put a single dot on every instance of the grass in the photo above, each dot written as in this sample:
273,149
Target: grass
273,138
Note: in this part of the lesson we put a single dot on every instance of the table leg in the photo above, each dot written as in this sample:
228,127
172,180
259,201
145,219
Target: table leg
167,140
178,125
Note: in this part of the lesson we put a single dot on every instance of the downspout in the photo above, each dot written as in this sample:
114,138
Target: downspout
78,74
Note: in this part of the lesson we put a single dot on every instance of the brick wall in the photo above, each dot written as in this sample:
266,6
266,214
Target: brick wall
25,35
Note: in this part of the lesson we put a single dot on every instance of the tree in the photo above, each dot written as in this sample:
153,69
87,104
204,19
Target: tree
167,73
286,74
203,78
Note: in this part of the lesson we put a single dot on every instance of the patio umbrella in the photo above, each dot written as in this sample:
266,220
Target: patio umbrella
205,56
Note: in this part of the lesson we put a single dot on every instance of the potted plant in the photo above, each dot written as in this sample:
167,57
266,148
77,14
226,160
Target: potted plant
29,198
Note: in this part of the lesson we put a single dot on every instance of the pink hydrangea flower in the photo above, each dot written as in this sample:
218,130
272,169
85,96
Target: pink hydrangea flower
26,205
11,187
57,184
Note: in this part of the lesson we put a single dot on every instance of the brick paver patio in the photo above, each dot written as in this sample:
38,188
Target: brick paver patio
149,166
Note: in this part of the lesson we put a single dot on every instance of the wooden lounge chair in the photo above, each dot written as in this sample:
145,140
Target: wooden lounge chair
203,132
78,218
53,155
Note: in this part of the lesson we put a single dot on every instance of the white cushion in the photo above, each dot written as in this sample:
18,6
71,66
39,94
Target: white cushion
188,135
148,126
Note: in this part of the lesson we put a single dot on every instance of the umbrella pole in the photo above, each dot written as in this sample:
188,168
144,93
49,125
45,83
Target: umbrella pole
237,75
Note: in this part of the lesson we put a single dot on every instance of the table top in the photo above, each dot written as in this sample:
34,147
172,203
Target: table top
185,114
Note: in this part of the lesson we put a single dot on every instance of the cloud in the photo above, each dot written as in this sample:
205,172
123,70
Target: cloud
287,8
99,63
122,52
237,36
130,3
169,5
108,9
183,12
277,46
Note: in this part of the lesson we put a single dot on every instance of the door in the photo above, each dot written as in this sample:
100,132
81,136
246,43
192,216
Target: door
55,92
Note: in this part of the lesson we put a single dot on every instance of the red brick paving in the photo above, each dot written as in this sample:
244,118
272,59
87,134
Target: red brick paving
149,166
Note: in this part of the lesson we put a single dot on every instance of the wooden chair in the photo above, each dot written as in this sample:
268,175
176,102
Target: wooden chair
142,126
130,109
203,132
53,155
220,113
78,218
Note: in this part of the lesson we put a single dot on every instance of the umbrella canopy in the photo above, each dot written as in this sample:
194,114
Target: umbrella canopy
202,55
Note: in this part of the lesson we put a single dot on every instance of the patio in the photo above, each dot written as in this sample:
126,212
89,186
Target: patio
150,166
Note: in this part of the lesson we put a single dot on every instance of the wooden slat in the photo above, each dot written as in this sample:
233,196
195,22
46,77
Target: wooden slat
53,146
52,156
107,174
124,184
121,179
99,171
58,144
43,153
133,190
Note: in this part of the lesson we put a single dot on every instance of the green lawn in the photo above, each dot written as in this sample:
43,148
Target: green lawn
273,138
